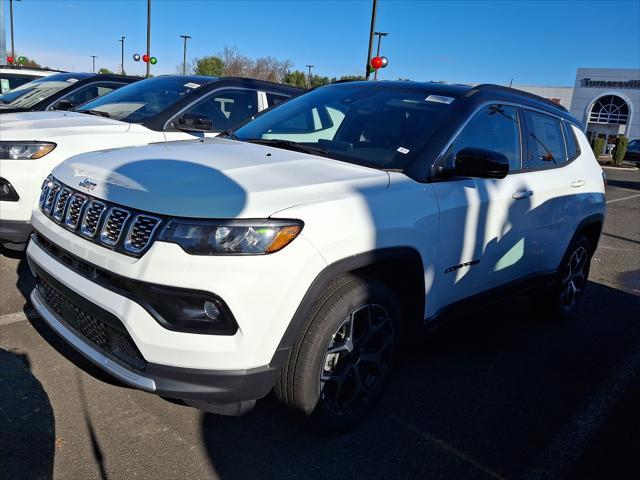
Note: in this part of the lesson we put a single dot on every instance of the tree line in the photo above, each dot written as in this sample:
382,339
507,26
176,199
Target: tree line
231,63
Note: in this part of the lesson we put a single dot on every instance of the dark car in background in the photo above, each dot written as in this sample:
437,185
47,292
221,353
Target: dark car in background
633,151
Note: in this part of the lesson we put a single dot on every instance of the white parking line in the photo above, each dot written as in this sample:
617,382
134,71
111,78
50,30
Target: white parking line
567,446
623,198
8,318
20,316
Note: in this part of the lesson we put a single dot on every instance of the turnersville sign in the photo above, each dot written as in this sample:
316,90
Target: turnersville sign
587,82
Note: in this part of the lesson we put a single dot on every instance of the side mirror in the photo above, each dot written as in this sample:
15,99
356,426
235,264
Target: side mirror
481,163
63,104
193,122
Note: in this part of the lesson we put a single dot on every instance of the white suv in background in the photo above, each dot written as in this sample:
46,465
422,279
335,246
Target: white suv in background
297,251
12,77
159,109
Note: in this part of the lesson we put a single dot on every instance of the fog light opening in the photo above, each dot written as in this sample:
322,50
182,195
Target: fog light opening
211,310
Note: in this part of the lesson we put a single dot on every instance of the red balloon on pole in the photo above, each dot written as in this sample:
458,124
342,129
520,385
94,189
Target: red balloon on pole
9,59
376,62
145,58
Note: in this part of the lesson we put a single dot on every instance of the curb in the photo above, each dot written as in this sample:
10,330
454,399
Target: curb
628,169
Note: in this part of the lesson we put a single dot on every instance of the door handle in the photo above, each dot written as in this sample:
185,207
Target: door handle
577,183
522,194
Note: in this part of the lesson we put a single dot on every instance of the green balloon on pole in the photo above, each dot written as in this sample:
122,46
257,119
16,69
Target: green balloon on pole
153,60
22,59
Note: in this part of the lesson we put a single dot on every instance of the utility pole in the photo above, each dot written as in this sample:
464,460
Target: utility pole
309,76
184,54
380,35
373,27
13,47
122,56
93,57
148,37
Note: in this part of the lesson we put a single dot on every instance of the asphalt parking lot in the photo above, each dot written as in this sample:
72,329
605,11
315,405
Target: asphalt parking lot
501,394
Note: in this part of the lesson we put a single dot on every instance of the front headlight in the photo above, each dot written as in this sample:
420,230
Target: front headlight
239,237
24,150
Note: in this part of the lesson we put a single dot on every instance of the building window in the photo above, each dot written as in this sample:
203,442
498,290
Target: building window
610,109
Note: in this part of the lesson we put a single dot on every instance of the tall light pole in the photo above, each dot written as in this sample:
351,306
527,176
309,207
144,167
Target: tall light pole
309,76
380,35
13,47
122,55
93,58
184,54
148,37
373,27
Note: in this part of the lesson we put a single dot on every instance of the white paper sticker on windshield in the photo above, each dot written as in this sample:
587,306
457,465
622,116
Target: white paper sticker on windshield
72,80
403,150
192,85
439,99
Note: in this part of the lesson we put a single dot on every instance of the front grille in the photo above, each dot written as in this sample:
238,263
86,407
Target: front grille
119,228
92,217
52,189
61,203
140,232
110,337
113,225
73,213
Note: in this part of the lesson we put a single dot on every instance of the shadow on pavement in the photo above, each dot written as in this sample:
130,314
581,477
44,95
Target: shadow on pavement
481,397
27,424
631,185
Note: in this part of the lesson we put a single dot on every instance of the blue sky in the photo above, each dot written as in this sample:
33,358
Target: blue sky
534,42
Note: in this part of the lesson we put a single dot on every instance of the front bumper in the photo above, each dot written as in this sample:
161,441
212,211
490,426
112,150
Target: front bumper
15,234
78,321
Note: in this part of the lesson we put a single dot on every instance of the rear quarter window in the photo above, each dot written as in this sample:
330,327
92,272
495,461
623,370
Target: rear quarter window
573,149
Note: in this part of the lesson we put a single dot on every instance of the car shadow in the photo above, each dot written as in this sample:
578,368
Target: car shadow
628,184
480,397
27,423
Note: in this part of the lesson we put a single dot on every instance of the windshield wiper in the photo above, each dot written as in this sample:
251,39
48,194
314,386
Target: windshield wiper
228,133
98,113
288,145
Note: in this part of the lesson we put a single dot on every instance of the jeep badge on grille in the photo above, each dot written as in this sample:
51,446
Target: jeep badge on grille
88,184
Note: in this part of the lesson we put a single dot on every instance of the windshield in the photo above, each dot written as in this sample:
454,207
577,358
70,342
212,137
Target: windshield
138,101
376,126
27,95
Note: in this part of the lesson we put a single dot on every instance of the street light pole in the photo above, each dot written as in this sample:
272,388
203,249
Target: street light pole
309,76
148,37
93,58
13,47
122,55
380,35
184,54
373,27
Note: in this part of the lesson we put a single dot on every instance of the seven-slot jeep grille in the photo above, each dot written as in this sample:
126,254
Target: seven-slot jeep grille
120,228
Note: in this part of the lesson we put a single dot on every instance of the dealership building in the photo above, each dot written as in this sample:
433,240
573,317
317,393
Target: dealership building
605,100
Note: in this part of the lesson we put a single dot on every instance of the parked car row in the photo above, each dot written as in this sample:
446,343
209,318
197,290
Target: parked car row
296,249
164,108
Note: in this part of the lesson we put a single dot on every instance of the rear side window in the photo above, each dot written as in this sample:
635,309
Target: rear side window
494,128
275,98
545,142
573,150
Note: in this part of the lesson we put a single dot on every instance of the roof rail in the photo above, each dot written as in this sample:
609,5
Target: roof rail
491,86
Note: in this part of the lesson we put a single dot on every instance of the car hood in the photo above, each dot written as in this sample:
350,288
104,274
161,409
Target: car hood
42,125
214,178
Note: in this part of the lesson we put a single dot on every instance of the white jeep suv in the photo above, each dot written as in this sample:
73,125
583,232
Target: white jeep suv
296,252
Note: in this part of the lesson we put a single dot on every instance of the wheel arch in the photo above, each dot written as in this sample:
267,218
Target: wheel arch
400,268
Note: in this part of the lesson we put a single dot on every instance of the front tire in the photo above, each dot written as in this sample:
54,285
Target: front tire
338,369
